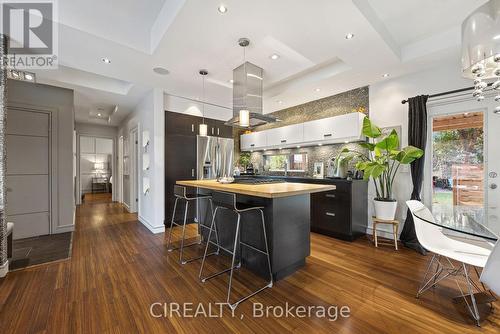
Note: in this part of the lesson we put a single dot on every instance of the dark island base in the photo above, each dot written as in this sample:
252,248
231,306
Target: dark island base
287,222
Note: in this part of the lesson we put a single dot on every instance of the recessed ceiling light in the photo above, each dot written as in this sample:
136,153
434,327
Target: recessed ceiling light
349,36
106,60
231,81
279,102
320,144
346,141
222,9
298,146
99,114
161,71
385,75
29,76
317,89
274,56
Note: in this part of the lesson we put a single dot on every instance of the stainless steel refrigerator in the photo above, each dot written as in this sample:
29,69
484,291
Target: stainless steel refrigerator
215,157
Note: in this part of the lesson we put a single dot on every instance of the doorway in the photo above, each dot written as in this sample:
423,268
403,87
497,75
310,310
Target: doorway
462,161
134,175
458,163
96,168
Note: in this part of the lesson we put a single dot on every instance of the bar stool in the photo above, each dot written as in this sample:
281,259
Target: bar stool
227,201
180,194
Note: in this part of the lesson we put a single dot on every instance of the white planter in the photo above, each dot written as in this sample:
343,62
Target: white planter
385,210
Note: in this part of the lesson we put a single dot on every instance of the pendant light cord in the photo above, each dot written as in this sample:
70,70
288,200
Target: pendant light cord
203,102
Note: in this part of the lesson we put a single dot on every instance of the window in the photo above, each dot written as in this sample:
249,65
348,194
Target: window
292,162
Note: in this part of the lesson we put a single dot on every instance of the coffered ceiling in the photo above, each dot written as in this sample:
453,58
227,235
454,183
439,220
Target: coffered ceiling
183,36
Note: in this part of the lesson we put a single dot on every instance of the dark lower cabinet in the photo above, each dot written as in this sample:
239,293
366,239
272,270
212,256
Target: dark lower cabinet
341,213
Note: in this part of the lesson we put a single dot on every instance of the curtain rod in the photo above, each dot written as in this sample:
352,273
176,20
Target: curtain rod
449,92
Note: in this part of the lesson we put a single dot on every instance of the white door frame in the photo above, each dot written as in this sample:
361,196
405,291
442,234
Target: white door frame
113,154
52,161
120,169
134,171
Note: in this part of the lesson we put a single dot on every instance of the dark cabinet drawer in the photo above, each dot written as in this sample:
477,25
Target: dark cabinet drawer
331,213
337,221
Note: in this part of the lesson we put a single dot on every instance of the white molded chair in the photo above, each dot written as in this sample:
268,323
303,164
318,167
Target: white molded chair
491,272
432,238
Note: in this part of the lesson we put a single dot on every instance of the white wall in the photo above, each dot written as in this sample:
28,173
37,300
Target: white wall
61,100
149,116
386,110
102,131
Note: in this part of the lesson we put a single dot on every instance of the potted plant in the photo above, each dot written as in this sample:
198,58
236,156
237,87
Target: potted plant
382,164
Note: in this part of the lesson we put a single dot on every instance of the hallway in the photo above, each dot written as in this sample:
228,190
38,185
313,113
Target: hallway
118,269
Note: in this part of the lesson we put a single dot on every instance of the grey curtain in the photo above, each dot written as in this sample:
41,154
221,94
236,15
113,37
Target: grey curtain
417,136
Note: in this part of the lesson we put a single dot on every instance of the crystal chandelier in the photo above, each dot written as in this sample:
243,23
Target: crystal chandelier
481,49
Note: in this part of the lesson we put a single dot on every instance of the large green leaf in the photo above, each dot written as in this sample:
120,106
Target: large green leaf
368,146
409,154
370,130
375,170
389,143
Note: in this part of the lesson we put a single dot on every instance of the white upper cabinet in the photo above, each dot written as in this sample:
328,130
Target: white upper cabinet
330,130
253,141
334,129
286,135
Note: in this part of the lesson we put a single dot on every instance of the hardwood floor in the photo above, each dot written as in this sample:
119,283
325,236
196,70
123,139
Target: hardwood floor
118,269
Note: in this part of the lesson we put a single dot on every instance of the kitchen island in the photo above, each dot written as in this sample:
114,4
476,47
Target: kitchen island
287,215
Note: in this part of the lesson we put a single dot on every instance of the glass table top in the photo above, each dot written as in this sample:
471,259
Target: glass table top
471,221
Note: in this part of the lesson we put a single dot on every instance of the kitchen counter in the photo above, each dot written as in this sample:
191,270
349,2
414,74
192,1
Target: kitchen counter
306,179
271,190
287,213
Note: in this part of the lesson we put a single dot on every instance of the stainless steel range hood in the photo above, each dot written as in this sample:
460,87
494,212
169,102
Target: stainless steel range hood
247,93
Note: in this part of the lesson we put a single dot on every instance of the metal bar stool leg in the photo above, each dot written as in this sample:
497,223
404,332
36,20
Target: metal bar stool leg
172,225
201,238
270,285
183,233
236,238
208,243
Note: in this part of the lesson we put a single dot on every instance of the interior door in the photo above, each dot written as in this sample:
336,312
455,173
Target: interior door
28,172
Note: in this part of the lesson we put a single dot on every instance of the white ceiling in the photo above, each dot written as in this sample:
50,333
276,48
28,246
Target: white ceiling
126,22
410,21
391,36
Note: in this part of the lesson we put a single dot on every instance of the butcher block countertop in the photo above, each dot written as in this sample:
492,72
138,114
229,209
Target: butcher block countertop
270,190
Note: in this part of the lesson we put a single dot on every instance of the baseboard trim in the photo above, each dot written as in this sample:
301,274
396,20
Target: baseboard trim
153,229
126,206
4,269
64,229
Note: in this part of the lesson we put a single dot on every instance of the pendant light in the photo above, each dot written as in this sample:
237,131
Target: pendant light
203,130
244,113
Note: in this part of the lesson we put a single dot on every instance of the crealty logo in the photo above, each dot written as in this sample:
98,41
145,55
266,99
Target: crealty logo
31,28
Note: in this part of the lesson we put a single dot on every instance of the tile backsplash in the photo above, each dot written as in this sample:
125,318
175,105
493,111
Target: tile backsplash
356,100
